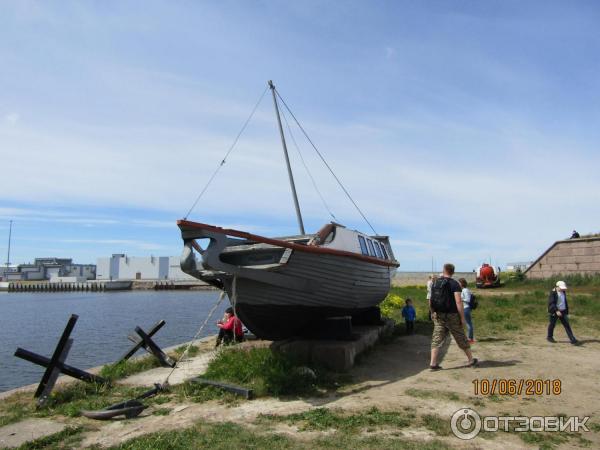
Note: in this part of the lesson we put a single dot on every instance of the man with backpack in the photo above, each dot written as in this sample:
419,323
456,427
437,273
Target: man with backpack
448,316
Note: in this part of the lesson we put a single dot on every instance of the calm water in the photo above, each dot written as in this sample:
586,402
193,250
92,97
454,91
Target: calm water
35,322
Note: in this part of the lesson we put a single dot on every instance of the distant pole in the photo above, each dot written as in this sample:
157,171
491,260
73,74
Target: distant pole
287,161
9,238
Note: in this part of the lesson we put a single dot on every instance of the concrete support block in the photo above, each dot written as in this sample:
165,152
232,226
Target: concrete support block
338,356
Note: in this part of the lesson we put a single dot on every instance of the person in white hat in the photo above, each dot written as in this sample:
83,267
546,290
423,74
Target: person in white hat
558,309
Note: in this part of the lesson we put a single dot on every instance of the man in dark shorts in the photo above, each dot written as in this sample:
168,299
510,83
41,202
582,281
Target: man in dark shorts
448,316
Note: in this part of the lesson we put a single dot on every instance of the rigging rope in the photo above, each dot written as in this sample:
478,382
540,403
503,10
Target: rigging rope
227,154
210,313
324,161
233,301
314,183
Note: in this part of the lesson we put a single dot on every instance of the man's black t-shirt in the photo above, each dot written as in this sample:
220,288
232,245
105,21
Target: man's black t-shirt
454,287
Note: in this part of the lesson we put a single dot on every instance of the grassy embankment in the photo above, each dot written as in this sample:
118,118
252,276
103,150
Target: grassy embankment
517,306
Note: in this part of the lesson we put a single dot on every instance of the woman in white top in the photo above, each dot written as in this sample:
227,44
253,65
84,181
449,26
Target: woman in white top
465,295
429,286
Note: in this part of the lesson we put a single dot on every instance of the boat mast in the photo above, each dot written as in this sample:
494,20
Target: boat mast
9,238
287,160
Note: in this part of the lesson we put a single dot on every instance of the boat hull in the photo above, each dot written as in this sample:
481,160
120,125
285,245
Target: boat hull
340,287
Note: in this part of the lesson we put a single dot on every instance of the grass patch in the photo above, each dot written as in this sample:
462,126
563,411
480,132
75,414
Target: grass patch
439,426
192,351
426,393
321,419
232,436
129,367
267,372
161,412
65,401
544,441
67,438
199,393
324,419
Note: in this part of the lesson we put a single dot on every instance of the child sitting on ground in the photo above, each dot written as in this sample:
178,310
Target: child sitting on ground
409,314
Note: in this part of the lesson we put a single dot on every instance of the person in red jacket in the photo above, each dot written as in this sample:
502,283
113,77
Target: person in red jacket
229,327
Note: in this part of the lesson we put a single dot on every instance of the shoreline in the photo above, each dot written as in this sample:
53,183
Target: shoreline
64,380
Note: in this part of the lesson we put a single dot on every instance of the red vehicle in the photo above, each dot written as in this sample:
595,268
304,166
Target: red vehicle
487,277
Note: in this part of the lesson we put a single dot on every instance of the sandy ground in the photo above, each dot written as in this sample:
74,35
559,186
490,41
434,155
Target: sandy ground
382,379
386,373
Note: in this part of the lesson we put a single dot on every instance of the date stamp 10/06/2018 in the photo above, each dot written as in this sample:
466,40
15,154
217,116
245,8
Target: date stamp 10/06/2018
512,386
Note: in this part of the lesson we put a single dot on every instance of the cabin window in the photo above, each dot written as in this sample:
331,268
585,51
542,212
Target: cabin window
371,249
363,245
377,249
385,255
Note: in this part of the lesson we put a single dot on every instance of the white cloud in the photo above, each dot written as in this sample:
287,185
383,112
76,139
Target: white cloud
11,119
390,52
141,245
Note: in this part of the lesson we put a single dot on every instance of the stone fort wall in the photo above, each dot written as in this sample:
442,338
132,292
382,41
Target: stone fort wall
569,257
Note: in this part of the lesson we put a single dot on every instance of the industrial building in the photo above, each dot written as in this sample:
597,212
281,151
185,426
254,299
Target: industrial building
122,267
568,257
50,269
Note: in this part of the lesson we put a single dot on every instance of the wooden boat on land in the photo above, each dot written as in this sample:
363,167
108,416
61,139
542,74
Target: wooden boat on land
281,286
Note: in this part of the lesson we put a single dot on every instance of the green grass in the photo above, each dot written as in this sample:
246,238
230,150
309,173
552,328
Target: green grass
439,426
227,436
544,441
192,351
509,280
266,372
510,310
198,393
432,393
321,419
65,401
67,438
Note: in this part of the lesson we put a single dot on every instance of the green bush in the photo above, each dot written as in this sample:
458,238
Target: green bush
391,304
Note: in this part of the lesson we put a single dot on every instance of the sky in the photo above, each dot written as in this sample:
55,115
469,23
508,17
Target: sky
467,131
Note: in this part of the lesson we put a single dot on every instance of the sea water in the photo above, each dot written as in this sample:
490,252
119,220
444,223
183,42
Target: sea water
35,321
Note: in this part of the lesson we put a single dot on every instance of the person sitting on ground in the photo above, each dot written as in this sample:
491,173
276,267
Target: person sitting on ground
558,309
230,329
409,314
466,296
448,316
575,235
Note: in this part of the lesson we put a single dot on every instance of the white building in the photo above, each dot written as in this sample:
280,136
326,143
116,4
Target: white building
122,267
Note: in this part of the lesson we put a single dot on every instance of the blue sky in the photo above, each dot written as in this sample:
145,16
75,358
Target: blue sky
465,130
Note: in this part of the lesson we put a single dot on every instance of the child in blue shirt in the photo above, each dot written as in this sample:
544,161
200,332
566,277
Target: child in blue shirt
409,314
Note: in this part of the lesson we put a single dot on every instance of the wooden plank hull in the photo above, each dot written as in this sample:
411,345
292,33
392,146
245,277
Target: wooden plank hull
344,287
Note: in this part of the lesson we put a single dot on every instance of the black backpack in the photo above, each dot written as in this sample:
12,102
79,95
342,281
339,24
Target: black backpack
474,303
441,295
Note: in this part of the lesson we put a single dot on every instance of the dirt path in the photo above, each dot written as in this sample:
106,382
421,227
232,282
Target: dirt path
395,375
